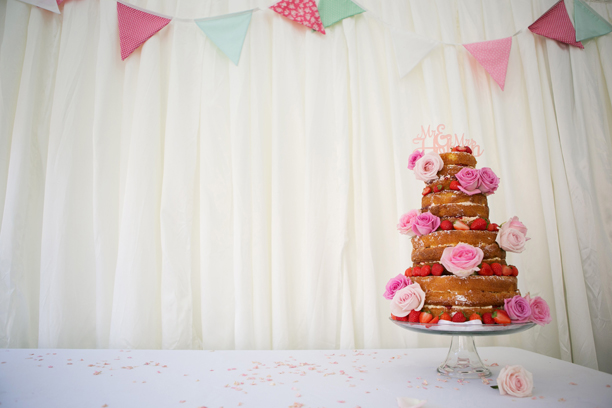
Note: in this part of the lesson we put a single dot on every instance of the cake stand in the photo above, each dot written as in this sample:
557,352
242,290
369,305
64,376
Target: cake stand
463,360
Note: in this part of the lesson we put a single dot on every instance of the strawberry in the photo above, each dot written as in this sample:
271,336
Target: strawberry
514,270
437,270
487,319
493,227
460,225
408,272
425,270
414,316
399,319
454,185
425,317
437,188
497,268
506,270
468,150
475,316
485,270
478,224
446,225
459,149
435,320
458,317
501,317
426,190
445,316
416,271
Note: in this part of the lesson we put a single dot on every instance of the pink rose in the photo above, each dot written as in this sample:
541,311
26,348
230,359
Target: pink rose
510,239
405,222
515,381
462,259
540,313
395,284
412,159
425,223
517,225
468,179
488,181
427,167
407,299
518,309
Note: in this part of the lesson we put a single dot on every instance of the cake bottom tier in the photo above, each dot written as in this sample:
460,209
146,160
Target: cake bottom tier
467,311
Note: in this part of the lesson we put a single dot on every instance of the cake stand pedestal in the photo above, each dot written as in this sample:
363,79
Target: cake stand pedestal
462,360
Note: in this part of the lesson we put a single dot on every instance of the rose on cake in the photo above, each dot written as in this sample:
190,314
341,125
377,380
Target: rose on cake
425,223
413,158
512,236
515,381
540,312
395,284
427,167
488,181
462,260
407,299
468,179
518,309
405,222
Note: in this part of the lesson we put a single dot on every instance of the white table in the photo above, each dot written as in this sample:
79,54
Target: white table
336,378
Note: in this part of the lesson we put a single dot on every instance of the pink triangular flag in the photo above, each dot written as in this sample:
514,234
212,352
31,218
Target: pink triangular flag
493,56
556,24
304,12
136,27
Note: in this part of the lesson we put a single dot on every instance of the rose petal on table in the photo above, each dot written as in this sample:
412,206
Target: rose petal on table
406,402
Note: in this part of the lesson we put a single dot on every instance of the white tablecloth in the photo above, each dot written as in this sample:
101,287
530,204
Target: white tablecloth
306,378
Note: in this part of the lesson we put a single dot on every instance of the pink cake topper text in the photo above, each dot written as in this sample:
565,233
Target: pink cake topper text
440,142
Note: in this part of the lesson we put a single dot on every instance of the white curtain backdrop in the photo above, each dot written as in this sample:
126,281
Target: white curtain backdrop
176,201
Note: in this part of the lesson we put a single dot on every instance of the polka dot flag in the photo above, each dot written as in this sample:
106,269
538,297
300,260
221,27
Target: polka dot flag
493,56
556,25
304,12
136,27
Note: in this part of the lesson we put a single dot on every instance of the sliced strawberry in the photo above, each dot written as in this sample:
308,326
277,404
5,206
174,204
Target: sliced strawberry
446,225
437,270
425,317
497,268
399,319
454,185
485,270
416,271
468,150
408,272
478,224
426,190
475,316
414,316
435,320
501,317
506,270
425,270
460,225
487,319
445,316
460,149
514,270
437,188
458,317
493,227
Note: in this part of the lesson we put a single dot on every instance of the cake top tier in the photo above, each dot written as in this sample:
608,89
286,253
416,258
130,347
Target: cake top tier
458,159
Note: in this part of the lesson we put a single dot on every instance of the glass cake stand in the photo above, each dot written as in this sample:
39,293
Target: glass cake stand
463,360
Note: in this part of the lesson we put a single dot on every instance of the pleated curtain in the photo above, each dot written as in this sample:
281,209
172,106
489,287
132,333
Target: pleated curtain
177,201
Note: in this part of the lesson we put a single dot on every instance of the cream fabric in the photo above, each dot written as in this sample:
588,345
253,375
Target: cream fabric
177,201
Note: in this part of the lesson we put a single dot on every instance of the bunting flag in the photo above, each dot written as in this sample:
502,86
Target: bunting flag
333,11
410,49
304,12
136,27
227,32
556,24
588,23
493,56
50,5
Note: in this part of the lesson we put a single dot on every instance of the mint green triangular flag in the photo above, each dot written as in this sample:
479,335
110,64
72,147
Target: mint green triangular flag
588,23
227,32
332,11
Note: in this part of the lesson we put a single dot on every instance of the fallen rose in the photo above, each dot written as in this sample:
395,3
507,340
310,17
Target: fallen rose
515,381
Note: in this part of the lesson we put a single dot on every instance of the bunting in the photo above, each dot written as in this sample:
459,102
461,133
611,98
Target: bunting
332,11
227,32
51,5
588,23
304,12
493,56
136,27
410,49
556,25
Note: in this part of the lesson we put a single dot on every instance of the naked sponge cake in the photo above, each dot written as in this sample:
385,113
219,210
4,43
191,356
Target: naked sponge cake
459,268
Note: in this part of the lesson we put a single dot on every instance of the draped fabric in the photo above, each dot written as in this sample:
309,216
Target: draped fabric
177,201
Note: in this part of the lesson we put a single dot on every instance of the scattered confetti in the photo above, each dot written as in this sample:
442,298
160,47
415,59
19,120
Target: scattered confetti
561,399
573,383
